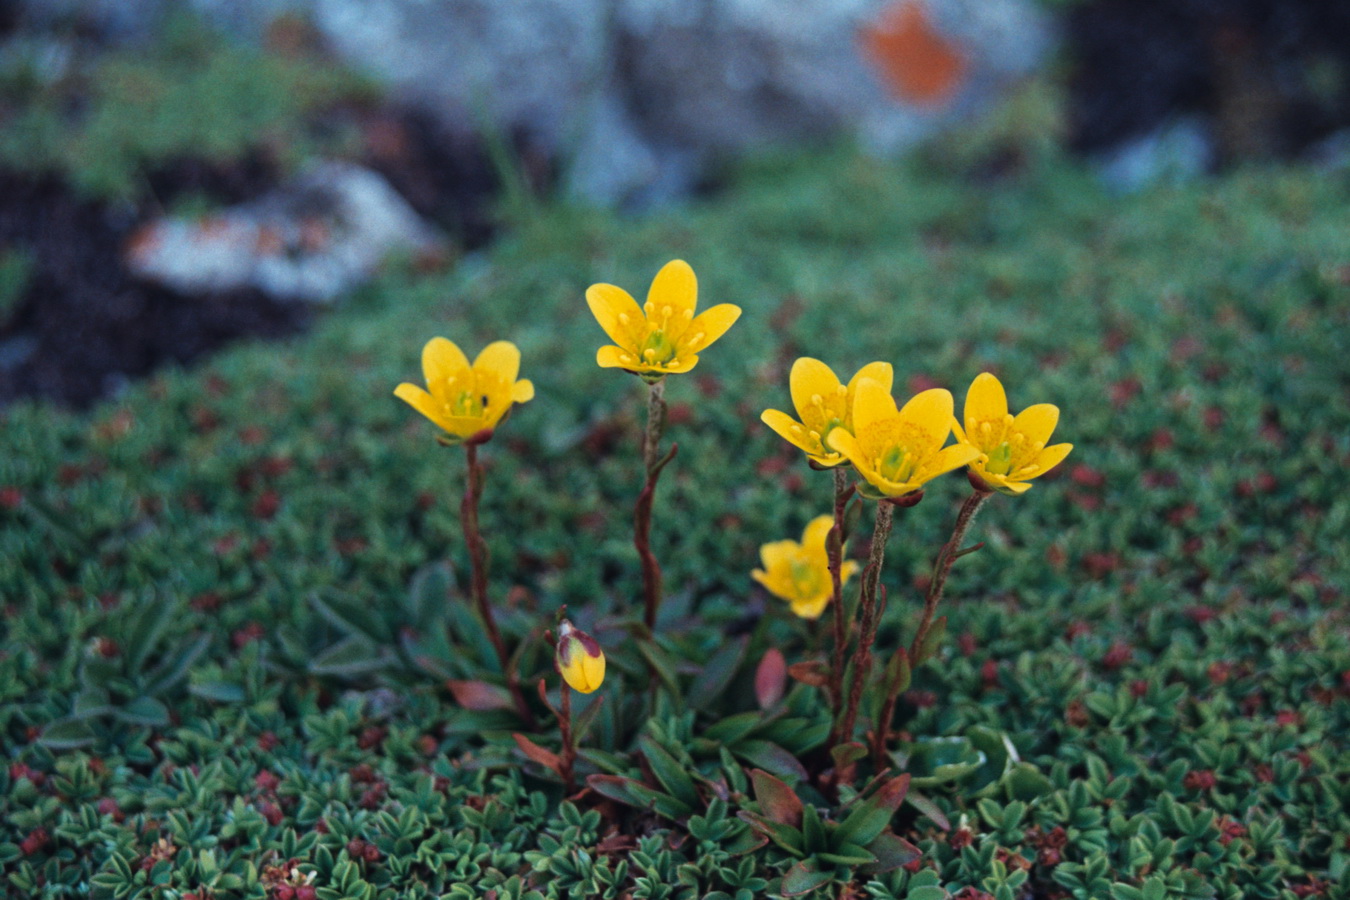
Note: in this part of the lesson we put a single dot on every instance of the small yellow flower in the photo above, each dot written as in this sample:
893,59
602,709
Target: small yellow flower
823,404
1011,448
897,451
663,337
465,399
800,573
579,658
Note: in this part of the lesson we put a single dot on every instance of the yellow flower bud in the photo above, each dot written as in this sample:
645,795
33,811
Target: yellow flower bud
579,658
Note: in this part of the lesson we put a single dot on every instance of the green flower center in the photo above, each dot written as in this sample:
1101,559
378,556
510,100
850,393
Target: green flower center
657,348
807,579
896,464
469,403
1000,459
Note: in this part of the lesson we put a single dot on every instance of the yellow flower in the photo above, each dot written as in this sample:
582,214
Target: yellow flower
823,404
579,658
663,337
800,573
1011,448
897,451
465,399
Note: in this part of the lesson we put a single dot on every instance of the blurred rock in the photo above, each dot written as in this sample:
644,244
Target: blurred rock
1177,152
312,239
638,97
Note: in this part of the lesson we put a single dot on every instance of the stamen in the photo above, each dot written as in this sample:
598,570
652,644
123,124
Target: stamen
625,357
623,318
817,400
649,353
815,435
649,308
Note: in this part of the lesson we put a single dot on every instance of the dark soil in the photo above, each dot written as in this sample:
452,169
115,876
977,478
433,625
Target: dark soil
1270,78
85,326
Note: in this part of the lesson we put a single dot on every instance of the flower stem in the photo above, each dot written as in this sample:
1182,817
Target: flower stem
478,555
653,463
942,567
871,615
835,543
569,745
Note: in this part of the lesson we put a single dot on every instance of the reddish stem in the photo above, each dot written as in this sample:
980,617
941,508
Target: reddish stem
867,632
835,542
942,567
478,556
569,748
642,514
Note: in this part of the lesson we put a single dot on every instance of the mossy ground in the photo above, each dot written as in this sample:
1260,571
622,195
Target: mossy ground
209,641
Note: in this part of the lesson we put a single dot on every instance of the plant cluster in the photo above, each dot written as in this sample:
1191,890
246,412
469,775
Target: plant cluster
243,655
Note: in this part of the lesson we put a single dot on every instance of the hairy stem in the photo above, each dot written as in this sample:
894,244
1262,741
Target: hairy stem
569,745
835,542
478,557
642,515
942,567
867,631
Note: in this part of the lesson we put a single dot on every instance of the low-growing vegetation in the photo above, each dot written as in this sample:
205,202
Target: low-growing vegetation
241,658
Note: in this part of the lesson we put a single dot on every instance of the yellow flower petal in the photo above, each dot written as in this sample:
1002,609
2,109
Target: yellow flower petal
522,391
442,359
675,286
1052,456
421,401
789,430
708,326
777,553
985,401
953,457
501,358
810,609
1011,488
618,313
611,357
1037,422
810,378
683,364
931,412
816,532
842,442
847,571
880,372
872,403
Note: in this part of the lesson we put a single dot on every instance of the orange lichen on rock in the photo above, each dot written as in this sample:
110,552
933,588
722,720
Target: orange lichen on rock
916,61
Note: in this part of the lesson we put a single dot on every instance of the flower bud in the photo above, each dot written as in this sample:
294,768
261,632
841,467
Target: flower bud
579,659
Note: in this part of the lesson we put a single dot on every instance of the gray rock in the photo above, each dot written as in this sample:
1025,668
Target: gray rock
1177,152
637,96
312,239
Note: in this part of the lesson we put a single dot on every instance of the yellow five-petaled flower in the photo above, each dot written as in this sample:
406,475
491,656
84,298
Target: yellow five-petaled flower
663,337
1011,450
579,658
463,399
897,450
823,404
800,573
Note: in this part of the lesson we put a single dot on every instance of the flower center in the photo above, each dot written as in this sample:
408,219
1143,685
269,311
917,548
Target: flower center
807,579
657,348
896,464
469,403
1000,459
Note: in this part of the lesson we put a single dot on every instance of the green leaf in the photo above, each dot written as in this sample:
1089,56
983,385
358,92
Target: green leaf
803,878
1025,782
778,802
670,773
348,657
891,852
929,809
144,711
847,854
927,892
429,593
217,691
717,673
872,816
661,664
67,734
771,758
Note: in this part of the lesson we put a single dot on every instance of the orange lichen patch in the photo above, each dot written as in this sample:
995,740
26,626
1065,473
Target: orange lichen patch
918,64
143,243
